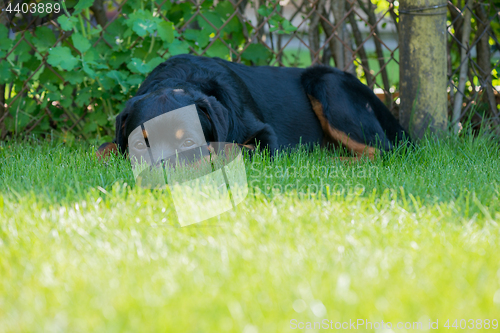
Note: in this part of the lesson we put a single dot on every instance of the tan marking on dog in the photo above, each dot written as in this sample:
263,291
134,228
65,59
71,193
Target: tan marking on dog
106,150
179,134
333,135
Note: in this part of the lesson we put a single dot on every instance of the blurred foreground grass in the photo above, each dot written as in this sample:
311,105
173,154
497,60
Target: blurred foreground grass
410,237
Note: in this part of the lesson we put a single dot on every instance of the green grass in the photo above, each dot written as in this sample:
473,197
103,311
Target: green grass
414,236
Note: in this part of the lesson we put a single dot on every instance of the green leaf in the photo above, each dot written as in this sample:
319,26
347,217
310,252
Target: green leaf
200,36
21,117
82,4
135,80
117,27
256,53
127,33
48,75
95,31
143,22
224,9
96,92
24,57
5,43
67,23
119,77
44,38
83,97
66,102
22,51
218,49
61,56
90,127
74,77
138,66
97,65
287,26
31,105
51,86
99,117
178,47
54,96
155,62
142,27
4,32
90,72
118,58
265,11
165,5
212,18
91,55
81,43
166,31
107,83
180,11
5,73
233,26
68,90
44,125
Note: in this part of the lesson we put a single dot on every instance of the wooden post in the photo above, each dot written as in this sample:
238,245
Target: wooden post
422,72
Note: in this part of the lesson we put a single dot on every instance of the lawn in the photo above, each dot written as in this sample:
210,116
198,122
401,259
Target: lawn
410,237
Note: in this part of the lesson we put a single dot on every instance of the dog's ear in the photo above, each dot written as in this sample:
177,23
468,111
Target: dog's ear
120,140
106,149
218,116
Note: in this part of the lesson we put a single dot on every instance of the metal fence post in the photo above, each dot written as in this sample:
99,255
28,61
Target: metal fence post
422,73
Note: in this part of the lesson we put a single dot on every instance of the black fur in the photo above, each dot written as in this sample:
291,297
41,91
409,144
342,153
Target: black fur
242,104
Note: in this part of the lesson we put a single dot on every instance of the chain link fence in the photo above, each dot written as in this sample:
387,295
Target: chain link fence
70,72
474,62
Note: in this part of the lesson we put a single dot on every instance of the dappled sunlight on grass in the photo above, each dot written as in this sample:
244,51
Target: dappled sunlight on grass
83,249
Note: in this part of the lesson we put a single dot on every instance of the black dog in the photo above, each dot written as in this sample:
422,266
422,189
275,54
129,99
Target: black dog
278,107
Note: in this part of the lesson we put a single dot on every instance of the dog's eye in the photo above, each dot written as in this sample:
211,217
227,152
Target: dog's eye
139,145
188,143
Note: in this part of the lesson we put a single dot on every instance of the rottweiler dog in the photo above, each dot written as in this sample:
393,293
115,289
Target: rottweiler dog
277,107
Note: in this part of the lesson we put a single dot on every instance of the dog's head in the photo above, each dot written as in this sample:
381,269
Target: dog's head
180,133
